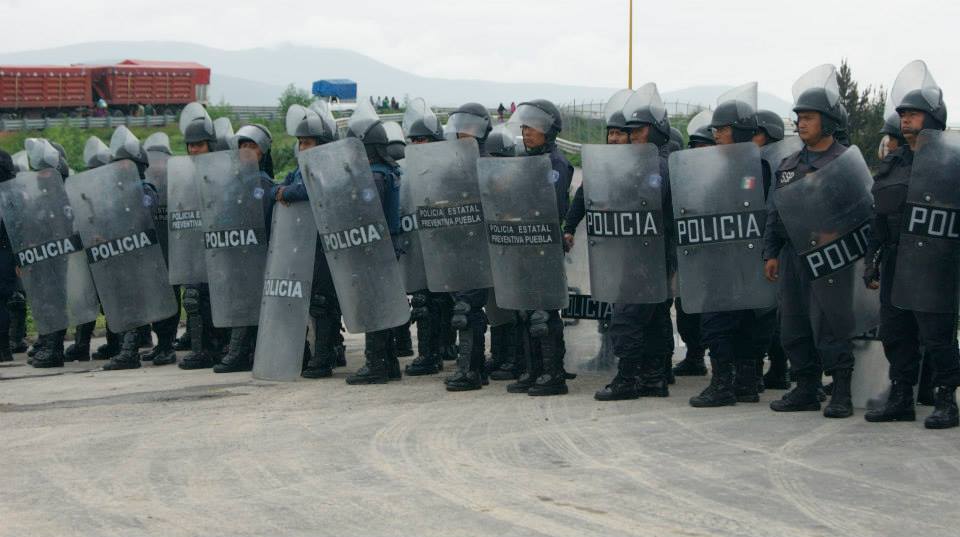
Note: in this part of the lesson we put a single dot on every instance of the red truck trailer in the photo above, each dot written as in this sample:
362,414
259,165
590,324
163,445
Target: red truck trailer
44,89
59,91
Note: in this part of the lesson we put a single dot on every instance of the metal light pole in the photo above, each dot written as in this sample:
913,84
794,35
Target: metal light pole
630,50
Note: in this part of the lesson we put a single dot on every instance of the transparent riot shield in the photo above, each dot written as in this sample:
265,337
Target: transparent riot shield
354,236
113,216
523,232
48,253
623,193
719,212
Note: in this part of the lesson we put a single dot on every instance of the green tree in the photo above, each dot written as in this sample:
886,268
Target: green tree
293,95
865,111
221,109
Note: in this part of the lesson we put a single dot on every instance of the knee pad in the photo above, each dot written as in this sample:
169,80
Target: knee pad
191,300
538,324
319,306
460,312
419,307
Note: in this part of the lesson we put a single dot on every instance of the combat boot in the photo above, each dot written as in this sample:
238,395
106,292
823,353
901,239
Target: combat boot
240,357
374,370
17,306
898,407
393,366
532,357
51,351
692,365
945,414
110,348
182,343
402,342
745,382
164,353
320,365
624,384
841,404
800,399
720,390
144,337
513,363
79,350
776,377
6,355
654,380
467,375
553,381
129,355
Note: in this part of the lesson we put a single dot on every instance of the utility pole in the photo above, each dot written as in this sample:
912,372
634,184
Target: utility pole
630,50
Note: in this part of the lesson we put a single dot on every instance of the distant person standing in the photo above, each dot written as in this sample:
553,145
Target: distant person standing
500,110
513,108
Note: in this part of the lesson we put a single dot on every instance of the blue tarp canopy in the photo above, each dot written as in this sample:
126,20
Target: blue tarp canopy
341,88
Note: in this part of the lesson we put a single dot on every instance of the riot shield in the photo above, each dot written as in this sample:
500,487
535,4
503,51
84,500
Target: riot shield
285,302
827,215
49,255
185,257
777,151
719,212
523,232
234,234
929,252
411,254
156,175
354,235
623,193
112,215
496,315
443,176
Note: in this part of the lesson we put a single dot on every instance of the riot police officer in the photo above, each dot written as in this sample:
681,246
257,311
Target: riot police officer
314,127
432,312
471,121
8,273
541,123
931,318
642,334
242,343
206,341
380,359
737,339
810,341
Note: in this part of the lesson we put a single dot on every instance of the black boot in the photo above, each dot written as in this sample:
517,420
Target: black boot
202,353
164,353
533,361
374,370
79,350
841,405
553,381
110,349
778,376
428,360
392,362
17,307
402,342
692,365
50,353
513,360
899,405
467,376
800,399
240,357
320,365
183,342
720,390
6,355
129,355
745,382
653,381
624,384
945,414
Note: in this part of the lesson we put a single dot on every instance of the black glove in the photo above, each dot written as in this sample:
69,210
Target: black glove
871,274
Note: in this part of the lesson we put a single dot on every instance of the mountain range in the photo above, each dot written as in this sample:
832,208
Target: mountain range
257,76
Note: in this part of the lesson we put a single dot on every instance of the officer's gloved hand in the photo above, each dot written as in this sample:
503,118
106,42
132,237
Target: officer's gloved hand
568,242
871,275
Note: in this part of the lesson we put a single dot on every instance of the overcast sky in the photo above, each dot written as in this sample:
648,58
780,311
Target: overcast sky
677,44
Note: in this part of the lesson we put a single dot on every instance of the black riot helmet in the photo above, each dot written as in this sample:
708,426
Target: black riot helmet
95,153
43,154
698,130
929,101
260,135
737,108
314,122
420,122
891,127
818,91
366,126
196,125
471,119
645,107
397,145
502,142
915,89
542,115
676,139
613,110
771,124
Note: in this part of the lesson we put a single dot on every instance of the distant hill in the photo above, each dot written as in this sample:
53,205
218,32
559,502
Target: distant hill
257,76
